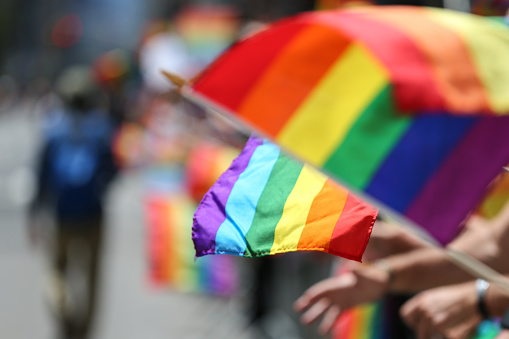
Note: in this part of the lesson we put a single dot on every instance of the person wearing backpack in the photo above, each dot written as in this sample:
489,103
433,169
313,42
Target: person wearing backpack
75,170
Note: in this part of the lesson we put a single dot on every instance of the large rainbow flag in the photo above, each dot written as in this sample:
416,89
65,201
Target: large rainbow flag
406,106
268,203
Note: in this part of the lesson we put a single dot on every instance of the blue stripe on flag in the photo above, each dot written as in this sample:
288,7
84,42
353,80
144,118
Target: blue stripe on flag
241,205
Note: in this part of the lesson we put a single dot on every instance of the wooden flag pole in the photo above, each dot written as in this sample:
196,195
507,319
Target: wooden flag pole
176,80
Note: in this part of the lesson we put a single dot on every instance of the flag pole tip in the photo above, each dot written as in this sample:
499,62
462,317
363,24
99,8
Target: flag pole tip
174,79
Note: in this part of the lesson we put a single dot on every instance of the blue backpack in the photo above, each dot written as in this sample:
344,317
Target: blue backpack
80,165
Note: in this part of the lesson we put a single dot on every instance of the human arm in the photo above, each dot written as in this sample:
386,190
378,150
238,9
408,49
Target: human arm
452,311
331,296
431,267
409,272
41,194
388,239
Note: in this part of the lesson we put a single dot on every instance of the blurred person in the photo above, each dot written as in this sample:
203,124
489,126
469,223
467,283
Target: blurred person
407,272
75,169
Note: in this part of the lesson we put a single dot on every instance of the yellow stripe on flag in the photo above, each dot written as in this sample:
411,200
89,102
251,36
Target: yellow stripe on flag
321,123
289,228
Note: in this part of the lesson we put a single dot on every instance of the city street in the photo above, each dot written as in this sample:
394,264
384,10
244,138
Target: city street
129,307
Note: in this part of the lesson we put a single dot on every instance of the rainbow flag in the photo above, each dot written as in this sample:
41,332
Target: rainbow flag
267,203
406,106
379,320
171,251
369,321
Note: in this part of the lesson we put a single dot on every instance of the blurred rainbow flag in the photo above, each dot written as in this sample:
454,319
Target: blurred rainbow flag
207,30
379,320
496,198
171,199
171,251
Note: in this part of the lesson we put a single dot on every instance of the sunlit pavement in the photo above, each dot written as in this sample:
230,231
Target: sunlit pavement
129,307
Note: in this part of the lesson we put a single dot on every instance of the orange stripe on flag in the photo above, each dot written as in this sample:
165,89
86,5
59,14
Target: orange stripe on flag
323,215
285,84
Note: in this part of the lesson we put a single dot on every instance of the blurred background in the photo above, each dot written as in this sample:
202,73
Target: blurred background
166,154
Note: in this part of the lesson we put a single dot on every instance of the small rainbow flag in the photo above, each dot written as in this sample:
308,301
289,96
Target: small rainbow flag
380,320
369,321
407,106
267,203
171,252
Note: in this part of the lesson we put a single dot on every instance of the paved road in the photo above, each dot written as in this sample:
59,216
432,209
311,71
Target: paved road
128,308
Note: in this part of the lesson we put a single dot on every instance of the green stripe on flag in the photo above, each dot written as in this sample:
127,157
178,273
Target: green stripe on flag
369,142
269,209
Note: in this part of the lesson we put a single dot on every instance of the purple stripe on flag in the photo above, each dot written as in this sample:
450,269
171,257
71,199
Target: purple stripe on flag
209,217
458,185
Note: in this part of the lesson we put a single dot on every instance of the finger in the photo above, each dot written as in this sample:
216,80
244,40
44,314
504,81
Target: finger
323,289
424,330
462,331
503,335
329,320
315,311
311,296
410,312
447,320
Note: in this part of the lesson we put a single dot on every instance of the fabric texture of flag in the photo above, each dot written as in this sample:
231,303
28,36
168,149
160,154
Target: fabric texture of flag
405,106
268,203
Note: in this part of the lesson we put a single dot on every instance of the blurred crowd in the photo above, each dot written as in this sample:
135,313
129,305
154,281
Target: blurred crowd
106,106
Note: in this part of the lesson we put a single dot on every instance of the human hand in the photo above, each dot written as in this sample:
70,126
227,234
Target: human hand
331,296
503,335
450,311
388,239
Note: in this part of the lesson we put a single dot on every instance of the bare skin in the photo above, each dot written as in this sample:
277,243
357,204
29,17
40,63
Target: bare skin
411,271
331,296
451,310
503,335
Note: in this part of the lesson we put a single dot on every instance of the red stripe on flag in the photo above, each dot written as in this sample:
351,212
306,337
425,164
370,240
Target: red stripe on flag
350,234
238,70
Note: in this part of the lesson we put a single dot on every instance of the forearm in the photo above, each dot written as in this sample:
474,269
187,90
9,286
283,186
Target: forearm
422,269
430,267
496,301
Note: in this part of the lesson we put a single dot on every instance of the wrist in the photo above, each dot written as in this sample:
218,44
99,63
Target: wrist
384,266
496,301
482,287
